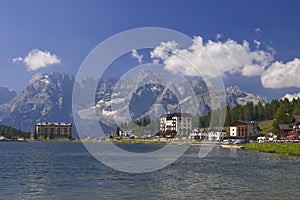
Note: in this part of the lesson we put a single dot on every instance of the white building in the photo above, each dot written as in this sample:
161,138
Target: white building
127,133
197,134
216,134
176,124
213,134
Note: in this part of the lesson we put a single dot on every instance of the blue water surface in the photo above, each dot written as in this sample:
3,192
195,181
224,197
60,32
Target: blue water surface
65,170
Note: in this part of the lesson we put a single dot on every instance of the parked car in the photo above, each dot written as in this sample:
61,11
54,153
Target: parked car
241,142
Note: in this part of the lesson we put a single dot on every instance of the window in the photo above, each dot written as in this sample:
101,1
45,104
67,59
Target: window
58,131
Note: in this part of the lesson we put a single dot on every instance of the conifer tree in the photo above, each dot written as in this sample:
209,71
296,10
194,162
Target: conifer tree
282,115
297,108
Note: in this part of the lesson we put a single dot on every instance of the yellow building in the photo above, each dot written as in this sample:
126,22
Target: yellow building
53,130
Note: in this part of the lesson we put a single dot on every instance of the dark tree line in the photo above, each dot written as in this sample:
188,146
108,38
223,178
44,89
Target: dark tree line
11,133
280,111
248,112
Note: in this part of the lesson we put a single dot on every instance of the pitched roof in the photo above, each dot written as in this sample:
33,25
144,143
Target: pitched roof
54,123
285,127
170,115
217,129
242,122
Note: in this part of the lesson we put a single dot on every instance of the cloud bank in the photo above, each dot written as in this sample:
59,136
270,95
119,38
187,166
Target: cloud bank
37,59
229,57
281,75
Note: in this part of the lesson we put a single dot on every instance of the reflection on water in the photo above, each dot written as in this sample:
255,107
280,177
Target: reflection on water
48,170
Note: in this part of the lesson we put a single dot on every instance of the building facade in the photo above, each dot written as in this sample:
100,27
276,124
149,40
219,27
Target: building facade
216,134
245,129
176,124
296,123
292,128
53,130
212,134
285,129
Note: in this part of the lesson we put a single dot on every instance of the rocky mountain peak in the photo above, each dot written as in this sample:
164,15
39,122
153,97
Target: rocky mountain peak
234,90
235,96
46,98
6,95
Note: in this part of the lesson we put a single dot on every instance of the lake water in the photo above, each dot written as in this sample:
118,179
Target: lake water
57,170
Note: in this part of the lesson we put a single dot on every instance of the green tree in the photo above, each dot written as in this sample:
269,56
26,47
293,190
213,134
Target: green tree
268,114
35,136
274,106
248,111
282,115
240,112
260,111
297,108
228,118
118,131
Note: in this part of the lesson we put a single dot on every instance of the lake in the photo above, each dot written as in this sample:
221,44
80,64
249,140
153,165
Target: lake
58,170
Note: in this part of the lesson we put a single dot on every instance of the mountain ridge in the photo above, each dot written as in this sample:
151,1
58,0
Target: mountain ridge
48,97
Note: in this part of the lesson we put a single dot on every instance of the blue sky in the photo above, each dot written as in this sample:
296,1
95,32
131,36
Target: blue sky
69,30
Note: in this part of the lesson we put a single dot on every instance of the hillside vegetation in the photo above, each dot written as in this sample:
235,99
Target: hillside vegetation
266,126
270,115
11,133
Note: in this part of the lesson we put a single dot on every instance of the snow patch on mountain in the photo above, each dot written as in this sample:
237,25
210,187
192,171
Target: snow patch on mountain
290,97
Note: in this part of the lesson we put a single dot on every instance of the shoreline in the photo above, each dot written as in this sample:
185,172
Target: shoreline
291,149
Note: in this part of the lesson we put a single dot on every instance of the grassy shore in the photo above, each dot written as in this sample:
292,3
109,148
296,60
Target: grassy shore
280,148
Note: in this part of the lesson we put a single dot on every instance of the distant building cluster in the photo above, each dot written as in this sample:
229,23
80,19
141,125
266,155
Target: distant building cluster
53,130
243,130
290,131
180,125
211,134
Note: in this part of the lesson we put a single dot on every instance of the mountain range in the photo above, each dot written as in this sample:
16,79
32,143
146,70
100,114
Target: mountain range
48,97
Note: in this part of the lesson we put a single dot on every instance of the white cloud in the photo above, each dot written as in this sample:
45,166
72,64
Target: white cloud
257,43
164,50
17,59
257,30
252,70
135,54
219,36
230,57
281,75
38,59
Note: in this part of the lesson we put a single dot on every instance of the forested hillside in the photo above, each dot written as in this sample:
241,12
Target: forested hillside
11,133
280,111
